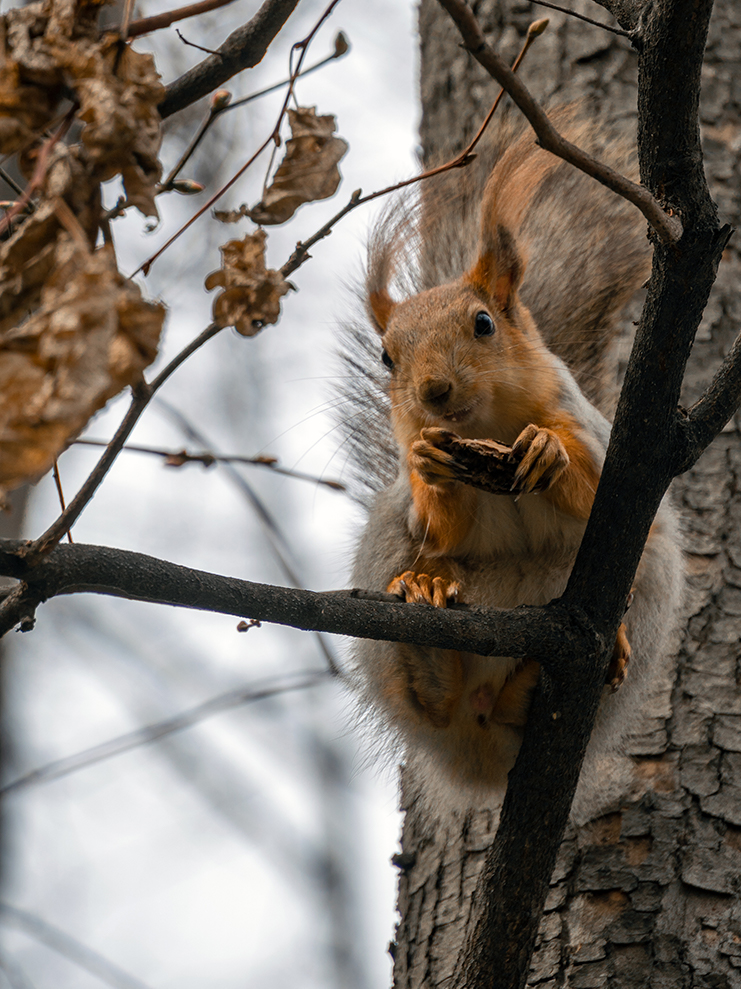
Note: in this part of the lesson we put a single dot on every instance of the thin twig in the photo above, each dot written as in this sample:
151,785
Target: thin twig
60,492
126,19
338,53
168,726
217,105
465,157
146,265
146,24
668,228
39,171
12,182
271,139
583,17
178,458
142,395
191,44
302,47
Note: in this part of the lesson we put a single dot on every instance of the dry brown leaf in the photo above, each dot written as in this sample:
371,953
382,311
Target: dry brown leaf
308,170
90,337
122,132
47,47
31,79
231,215
251,296
28,256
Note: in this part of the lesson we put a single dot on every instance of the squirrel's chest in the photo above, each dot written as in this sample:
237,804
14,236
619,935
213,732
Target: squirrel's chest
502,526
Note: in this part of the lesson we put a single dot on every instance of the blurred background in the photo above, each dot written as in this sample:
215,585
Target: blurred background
252,847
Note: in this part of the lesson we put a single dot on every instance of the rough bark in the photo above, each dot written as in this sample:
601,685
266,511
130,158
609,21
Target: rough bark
646,895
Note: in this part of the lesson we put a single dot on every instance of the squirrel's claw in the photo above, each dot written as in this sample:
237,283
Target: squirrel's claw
420,588
544,459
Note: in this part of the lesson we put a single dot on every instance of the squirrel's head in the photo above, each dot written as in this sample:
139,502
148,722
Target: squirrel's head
465,356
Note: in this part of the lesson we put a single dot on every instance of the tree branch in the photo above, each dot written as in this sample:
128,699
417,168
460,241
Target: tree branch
179,458
626,12
713,410
243,49
549,633
639,466
668,227
581,17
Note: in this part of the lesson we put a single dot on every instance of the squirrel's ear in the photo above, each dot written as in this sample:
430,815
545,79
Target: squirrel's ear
499,268
380,308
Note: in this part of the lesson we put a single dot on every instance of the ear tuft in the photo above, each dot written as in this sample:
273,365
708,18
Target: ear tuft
499,268
380,309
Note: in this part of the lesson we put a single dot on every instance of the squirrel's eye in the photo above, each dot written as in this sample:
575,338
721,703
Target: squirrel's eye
387,360
483,325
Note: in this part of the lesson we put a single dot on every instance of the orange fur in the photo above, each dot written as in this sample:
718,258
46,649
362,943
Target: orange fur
445,513
431,692
574,491
513,701
381,306
493,380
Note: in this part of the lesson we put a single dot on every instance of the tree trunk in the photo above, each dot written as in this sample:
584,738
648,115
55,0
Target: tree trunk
647,894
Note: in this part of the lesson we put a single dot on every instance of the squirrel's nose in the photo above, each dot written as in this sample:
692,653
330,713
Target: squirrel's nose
435,391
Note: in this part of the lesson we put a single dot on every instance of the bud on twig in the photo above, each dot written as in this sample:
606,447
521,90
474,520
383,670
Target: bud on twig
220,99
538,27
186,187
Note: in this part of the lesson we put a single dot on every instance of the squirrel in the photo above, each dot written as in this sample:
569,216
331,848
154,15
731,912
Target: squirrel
501,334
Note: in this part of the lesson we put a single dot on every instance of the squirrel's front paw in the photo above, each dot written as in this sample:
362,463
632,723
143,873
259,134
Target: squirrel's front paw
543,459
433,465
419,587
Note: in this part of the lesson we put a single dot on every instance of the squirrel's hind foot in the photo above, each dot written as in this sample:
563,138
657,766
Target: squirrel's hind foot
417,588
618,667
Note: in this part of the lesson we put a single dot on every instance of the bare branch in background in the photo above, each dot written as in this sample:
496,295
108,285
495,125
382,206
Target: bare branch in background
152,733
278,542
71,948
178,458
